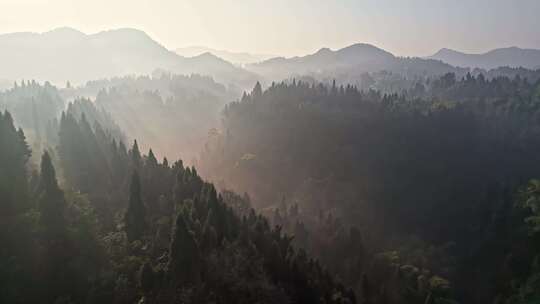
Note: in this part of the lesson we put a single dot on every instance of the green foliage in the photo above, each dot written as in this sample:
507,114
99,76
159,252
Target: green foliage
134,218
184,256
427,173
146,277
34,105
531,202
347,176
51,200
176,110
13,157
525,287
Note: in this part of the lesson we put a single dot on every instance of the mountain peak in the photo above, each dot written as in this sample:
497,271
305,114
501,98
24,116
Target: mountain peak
510,49
79,57
363,49
227,55
357,49
64,31
444,52
126,31
324,51
360,45
208,56
509,56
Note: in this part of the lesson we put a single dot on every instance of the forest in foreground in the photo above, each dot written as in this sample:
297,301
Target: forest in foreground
128,228
320,193
269,152
435,184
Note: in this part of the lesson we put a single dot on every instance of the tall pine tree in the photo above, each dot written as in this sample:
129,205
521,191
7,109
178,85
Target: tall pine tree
51,201
184,255
135,214
136,158
14,154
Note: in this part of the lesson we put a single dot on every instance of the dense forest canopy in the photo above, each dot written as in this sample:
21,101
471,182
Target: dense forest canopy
435,166
124,225
339,177
173,113
394,195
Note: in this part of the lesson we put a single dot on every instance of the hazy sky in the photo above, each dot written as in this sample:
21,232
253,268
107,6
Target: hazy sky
294,27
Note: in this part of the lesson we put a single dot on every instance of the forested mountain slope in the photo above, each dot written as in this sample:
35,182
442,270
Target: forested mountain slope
417,197
123,227
173,113
427,176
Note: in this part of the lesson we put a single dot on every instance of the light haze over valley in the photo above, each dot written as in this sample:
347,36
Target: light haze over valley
310,151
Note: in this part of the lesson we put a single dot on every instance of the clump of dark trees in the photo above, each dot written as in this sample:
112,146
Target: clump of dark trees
100,223
418,197
171,113
426,196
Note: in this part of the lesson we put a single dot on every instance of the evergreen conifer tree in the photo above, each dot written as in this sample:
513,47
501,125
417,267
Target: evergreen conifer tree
184,255
135,214
257,91
51,202
136,156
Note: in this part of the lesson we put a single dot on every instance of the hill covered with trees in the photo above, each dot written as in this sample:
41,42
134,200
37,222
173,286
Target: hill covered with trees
428,178
173,113
116,226
423,196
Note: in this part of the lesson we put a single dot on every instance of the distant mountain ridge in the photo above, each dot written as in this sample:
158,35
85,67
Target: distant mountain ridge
511,57
238,58
67,54
354,59
353,54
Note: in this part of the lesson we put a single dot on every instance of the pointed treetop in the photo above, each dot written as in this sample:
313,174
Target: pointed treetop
152,158
257,90
51,202
244,96
136,154
135,146
165,162
48,174
8,118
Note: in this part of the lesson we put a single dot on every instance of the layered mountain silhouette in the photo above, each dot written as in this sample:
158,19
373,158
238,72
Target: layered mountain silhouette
511,57
67,54
239,58
354,59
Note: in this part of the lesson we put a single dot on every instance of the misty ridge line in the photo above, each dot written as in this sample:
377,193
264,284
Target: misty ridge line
195,50
66,54
135,173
